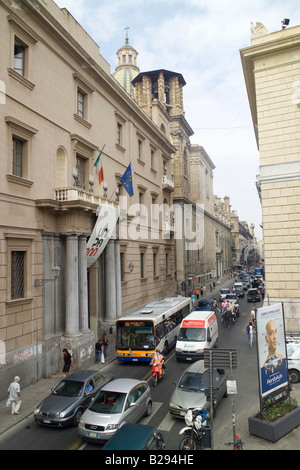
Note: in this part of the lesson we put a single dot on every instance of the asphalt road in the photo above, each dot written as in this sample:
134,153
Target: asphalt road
30,436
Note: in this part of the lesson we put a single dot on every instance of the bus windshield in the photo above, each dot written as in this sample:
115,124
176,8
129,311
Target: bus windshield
136,334
192,334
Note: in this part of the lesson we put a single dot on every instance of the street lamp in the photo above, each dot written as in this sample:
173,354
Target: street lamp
55,273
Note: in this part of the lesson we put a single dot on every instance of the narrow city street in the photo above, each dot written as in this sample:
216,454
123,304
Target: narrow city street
29,435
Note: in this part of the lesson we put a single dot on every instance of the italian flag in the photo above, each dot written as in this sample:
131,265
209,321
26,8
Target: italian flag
99,166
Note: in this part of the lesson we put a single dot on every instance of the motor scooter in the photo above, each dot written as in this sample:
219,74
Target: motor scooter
157,372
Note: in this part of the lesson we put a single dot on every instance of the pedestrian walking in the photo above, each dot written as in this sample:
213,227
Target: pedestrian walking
105,344
215,306
98,350
14,396
68,361
249,331
253,316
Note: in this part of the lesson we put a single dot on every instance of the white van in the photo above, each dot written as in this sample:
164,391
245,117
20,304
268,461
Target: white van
198,330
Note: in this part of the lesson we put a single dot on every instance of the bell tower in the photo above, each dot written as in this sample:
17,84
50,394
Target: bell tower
127,68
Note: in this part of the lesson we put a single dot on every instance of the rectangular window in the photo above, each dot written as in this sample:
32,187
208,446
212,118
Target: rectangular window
19,56
119,133
140,150
152,159
80,165
167,263
142,260
80,103
154,264
17,274
17,157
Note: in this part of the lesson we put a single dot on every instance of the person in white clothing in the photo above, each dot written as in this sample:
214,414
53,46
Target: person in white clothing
14,396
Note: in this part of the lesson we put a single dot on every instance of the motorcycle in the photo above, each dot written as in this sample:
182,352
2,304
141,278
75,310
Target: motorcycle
194,432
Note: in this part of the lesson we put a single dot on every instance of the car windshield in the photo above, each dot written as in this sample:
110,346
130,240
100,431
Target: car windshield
191,381
108,402
192,334
204,305
69,388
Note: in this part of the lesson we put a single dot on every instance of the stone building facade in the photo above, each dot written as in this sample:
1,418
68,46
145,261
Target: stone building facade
61,106
271,68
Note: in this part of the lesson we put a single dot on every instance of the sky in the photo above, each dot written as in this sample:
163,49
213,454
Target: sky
201,39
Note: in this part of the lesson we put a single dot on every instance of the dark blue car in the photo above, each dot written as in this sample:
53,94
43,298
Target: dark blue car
136,437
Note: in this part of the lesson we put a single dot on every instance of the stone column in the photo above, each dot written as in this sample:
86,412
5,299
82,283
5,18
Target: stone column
59,284
48,317
110,282
118,279
72,304
83,291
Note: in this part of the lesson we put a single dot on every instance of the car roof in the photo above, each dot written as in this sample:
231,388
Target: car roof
122,385
81,375
197,367
130,437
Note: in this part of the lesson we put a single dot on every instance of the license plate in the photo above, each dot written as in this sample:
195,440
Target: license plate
46,421
188,358
134,360
93,434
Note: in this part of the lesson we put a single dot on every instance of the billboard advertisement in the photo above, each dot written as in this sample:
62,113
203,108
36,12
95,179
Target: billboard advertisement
272,359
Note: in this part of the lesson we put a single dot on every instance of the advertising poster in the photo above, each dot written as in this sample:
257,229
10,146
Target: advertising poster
272,360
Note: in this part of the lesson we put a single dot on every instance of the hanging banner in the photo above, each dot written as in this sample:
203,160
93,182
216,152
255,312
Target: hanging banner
103,230
272,359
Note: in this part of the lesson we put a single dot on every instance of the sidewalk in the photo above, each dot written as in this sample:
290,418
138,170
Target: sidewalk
31,397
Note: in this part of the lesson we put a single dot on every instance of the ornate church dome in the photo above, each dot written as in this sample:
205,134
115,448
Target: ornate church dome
127,68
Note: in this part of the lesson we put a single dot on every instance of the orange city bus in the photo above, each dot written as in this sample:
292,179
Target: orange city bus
154,327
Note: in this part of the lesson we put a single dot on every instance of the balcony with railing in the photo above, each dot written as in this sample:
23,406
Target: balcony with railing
167,183
75,198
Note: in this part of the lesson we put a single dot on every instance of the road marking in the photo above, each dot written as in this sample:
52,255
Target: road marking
76,444
166,423
155,407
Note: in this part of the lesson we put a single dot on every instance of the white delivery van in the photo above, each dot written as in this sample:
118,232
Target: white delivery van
198,331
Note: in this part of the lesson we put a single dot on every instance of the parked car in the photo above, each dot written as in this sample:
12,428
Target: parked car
293,357
121,401
205,304
223,293
70,398
136,437
253,295
191,393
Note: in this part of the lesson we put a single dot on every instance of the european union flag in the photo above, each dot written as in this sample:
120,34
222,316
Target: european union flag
126,180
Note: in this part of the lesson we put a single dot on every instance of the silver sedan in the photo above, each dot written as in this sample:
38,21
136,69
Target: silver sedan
190,391
119,402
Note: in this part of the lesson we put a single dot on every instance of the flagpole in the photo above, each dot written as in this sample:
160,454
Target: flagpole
114,190
93,165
